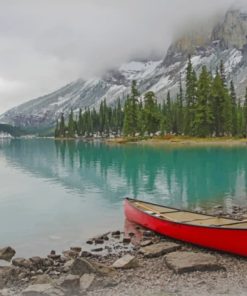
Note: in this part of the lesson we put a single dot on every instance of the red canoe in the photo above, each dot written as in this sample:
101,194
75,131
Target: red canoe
223,234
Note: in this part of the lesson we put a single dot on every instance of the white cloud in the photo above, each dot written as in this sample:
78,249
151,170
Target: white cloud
46,44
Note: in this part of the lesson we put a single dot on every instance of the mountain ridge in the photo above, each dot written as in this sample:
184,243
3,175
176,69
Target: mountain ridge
227,41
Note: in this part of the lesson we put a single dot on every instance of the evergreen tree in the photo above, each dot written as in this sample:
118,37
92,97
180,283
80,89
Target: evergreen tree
151,116
62,128
71,125
218,101
191,82
163,118
180,115
234,109
57,133
131,112
245,115
80,129
203,107
128,118
168,113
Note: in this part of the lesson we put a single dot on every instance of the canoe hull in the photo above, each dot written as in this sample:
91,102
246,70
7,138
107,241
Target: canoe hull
222,239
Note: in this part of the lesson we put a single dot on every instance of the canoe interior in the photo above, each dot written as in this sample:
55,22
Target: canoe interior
185,217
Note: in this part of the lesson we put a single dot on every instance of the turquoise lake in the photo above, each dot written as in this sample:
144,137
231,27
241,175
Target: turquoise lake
57,194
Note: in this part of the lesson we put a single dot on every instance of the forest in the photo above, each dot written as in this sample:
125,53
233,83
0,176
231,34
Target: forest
206,106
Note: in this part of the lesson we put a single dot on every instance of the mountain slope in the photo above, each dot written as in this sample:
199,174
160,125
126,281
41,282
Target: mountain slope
226,41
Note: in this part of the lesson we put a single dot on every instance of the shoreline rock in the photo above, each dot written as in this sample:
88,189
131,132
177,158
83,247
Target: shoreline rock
146,265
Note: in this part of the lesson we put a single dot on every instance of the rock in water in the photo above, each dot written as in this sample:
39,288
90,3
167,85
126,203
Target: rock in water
159,249
7,253
126,262
183,261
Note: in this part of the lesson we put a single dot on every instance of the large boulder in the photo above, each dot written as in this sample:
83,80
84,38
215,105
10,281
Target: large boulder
184,261
7,253
159,249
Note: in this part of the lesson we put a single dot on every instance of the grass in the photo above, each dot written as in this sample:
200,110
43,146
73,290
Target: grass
171,139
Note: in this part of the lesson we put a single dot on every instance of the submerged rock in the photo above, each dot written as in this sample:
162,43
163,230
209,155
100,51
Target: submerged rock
184,261
7,253
159,249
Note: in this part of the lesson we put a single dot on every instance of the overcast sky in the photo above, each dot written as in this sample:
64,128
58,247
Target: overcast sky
45,44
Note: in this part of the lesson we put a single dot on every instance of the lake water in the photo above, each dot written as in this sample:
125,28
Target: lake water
56,194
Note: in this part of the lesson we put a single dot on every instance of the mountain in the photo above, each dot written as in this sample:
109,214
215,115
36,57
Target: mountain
7,131
225,40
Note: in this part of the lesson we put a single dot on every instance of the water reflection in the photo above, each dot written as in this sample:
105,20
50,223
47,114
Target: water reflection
182,177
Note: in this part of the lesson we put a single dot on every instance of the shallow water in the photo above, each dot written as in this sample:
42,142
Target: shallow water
56,194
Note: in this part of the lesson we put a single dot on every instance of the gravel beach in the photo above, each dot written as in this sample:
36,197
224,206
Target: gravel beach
137,262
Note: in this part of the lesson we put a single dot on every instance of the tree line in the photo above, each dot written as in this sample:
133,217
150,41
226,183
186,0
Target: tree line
205,107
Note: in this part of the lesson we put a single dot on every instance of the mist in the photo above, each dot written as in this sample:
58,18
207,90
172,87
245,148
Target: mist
47,44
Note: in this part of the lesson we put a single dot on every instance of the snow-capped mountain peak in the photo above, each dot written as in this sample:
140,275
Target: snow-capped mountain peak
226,41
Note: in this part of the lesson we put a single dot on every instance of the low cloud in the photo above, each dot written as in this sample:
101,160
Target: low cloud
46,44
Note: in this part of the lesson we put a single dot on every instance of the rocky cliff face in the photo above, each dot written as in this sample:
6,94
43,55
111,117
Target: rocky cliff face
232,33
227,41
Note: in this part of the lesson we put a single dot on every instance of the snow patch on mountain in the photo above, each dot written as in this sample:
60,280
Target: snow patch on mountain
227,42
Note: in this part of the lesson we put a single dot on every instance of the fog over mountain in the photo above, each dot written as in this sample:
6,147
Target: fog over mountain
47,44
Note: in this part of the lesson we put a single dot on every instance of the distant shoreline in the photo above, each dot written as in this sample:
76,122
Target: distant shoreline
181,141
163,141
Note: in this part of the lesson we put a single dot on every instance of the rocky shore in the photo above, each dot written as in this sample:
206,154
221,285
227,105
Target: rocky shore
137,262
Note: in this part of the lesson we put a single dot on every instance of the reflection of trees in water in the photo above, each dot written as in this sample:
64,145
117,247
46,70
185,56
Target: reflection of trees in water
182,175
193,174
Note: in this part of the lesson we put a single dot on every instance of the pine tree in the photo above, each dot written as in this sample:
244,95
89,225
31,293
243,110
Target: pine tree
240,120
119,117
80,130
56,133
245,114
131,115
180,117
191,82
168,113
218,101
203,107
151,116
141,119
127,127
62,128
163,118
234,109
71,125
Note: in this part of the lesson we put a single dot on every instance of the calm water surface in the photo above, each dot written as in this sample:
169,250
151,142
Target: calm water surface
56,194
